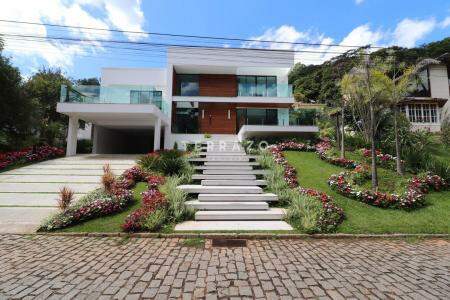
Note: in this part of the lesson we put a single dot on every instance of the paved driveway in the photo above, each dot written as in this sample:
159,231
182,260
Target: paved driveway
55,267
28,194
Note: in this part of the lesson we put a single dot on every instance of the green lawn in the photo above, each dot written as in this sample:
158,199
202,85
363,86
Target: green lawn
110,223
362,218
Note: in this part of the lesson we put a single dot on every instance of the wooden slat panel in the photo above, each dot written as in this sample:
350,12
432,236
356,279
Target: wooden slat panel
218,85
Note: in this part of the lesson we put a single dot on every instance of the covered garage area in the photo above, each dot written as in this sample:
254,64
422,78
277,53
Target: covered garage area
119,140
117,128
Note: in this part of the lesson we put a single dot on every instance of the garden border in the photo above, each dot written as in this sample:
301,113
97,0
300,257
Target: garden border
249,236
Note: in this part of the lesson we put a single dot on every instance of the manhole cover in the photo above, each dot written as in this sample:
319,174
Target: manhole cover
229,243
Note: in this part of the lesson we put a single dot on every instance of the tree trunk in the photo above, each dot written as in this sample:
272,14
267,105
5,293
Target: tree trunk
338,131
397,143
372,149
342,133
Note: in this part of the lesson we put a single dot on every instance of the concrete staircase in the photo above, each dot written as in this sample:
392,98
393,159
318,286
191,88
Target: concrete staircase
230,193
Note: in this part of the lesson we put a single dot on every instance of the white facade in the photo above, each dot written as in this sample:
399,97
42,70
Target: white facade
116,110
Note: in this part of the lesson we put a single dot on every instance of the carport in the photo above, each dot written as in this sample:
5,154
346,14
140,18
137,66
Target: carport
117,128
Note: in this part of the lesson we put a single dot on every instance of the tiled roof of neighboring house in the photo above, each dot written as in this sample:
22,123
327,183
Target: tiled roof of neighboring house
440,101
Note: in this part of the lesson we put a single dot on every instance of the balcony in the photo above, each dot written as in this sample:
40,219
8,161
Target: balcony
90,94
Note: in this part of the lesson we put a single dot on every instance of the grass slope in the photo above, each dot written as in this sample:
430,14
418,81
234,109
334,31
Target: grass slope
362,218
111,223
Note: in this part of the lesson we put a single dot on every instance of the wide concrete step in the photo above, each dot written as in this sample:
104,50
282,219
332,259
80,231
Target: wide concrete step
78,188
233,182
232,226
223,167
200,189
227,205
222,154
228,215
220,159
237,197
231,163
236,172
218,177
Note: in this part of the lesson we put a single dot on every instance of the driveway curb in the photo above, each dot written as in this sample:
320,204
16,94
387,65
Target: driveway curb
249,236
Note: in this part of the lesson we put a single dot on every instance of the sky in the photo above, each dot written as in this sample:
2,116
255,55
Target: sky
405,23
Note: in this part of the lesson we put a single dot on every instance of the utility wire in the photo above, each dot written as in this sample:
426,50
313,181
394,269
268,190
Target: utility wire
187,36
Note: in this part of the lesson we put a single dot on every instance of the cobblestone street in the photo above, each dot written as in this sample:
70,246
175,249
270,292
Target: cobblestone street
87,267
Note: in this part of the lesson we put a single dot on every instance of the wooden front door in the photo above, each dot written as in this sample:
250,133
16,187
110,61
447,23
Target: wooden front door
217,118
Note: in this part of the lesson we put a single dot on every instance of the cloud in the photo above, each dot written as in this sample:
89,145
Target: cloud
104,14
445,23
358,2
311,54
409,31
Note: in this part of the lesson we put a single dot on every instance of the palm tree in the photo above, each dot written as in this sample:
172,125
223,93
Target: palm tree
397,83
364,91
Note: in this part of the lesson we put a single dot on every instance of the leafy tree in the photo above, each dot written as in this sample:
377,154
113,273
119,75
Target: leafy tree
88,81
18,112
44,88
320,82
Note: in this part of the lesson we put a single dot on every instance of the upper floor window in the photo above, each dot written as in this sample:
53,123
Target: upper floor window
257,86
144,97
187,85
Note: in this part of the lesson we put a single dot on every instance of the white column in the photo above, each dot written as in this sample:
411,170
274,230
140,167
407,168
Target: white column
167,142
157,135
72,136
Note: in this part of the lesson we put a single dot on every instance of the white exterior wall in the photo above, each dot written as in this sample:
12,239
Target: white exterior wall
440,86
155,77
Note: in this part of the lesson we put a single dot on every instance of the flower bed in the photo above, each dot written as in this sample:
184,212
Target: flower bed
413,197
384,160
95,204
152,200
25,155
332,215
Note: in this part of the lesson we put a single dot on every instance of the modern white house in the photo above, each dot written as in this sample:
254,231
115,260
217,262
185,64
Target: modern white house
429,103
202,94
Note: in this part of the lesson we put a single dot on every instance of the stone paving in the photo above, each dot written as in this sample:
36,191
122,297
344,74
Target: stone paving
59,267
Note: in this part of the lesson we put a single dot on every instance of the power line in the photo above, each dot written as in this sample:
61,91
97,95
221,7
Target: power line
170,45
189,36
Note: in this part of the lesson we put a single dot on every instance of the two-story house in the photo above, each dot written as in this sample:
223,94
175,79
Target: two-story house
429,104
202,94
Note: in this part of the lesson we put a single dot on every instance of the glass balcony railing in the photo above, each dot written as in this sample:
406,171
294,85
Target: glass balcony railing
114,95
277,90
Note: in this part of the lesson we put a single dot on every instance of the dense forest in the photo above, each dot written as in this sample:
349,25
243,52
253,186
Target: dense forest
319,82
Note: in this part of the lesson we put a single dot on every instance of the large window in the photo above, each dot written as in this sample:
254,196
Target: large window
256,116
257,86
186,118
187,85
422,113
145,97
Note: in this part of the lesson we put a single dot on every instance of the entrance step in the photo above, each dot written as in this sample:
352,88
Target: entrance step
229,215
227,205
231,163
237,197
233,182
197,189
223,167
218,177
220,159
223,153
237,172
232,226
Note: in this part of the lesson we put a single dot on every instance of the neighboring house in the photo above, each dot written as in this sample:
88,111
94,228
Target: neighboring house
202,94
429,104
